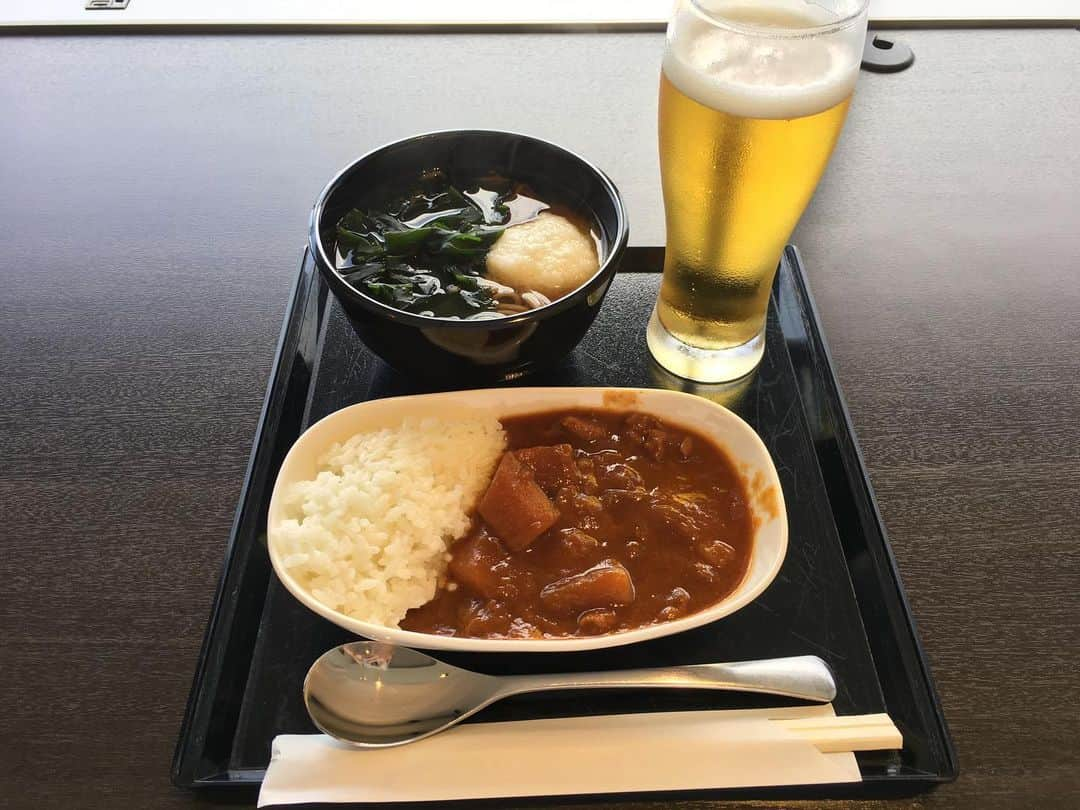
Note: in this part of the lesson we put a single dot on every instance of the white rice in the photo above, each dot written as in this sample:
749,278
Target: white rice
369,535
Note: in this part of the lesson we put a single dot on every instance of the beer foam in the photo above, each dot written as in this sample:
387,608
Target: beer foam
745,71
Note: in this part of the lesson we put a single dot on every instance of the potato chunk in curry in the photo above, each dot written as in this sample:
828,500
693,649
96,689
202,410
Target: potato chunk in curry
475,564
514,506
604,585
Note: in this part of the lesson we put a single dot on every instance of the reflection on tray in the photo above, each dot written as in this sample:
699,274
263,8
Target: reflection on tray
728,394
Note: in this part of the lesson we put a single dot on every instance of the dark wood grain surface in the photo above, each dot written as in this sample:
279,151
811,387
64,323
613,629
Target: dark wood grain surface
154,199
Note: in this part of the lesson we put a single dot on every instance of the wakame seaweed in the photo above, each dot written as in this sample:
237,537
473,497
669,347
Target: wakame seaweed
425,253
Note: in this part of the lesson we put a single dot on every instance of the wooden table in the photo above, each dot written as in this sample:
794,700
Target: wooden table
155,192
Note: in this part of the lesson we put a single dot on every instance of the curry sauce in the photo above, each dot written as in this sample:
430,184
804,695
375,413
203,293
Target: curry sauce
595,522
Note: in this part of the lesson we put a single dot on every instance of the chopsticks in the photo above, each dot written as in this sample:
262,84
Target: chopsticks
859,732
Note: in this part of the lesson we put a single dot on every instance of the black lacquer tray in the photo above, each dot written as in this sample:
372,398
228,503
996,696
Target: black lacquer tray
838,594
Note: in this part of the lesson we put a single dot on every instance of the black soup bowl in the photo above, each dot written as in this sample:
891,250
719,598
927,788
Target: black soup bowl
449,351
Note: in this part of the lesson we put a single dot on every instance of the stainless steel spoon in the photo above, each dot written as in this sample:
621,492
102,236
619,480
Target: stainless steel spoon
375,695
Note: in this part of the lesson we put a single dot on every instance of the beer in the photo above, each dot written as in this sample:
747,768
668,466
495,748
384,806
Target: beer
749,114
734,202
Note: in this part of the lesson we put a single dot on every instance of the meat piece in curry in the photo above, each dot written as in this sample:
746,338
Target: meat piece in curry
595,522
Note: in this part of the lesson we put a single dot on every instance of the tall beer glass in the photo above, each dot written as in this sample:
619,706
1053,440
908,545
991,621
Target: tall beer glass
753,95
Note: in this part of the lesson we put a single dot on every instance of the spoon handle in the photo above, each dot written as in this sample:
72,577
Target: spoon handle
805,676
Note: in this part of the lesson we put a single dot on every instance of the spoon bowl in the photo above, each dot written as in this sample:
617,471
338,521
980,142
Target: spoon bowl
375,695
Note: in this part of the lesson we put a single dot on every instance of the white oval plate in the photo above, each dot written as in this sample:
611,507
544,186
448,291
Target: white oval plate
736,437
